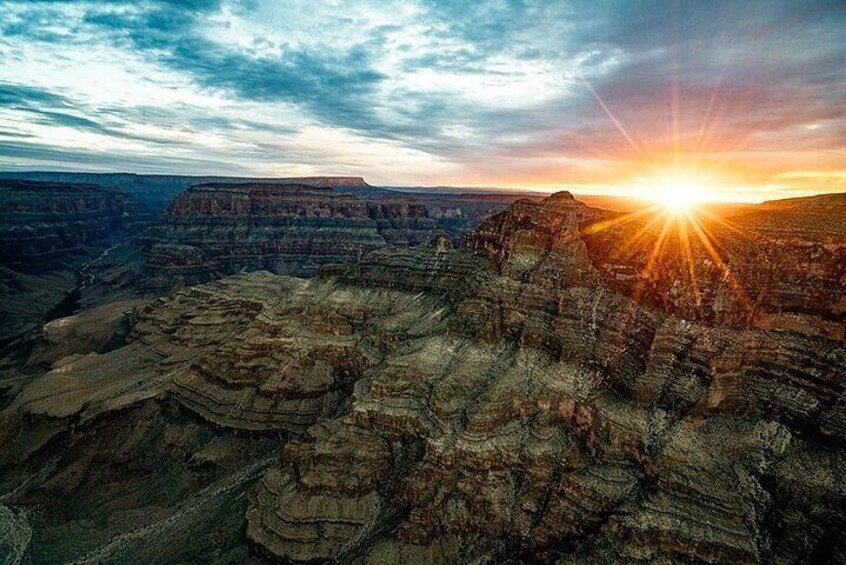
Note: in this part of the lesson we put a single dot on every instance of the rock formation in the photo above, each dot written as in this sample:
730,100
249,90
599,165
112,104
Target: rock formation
515,399
42,222
217,229
457,208
780,265
155,192
47,232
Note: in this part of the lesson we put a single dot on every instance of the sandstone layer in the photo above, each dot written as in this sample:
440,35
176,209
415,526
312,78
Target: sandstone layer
216,229
511,400
48,231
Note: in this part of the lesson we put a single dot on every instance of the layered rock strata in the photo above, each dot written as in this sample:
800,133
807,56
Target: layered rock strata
568,422
48,231
285,228
780,265
156,192
42,222
507,401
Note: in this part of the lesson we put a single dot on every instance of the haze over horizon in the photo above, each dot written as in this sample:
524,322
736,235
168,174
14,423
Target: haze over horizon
746,99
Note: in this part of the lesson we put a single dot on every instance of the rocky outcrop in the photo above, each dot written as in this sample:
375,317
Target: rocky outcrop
48,231
456,213
284,228
505,401
538,242
777,266
570,422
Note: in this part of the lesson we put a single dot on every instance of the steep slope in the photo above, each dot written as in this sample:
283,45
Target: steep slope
776,265
501,402
217,229
47,232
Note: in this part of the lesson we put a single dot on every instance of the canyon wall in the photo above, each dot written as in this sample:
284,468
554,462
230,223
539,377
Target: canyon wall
508,400
47,232
216,229
776,265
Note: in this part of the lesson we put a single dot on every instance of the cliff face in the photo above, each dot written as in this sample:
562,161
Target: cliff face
538,242
47,232
42,222
286,228
507,401
779,265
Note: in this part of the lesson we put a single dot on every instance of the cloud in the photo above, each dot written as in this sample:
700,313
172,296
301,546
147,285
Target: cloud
511,85
336,86
24,156
47,108
26,96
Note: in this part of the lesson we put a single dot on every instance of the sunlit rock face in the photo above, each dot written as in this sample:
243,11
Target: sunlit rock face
780,265
538,242
503,401
567,421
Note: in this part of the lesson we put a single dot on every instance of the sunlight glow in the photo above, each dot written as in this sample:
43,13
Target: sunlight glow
675,228
678,192
676,198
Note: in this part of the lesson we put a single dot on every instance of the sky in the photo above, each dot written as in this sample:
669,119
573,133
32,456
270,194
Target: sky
742,100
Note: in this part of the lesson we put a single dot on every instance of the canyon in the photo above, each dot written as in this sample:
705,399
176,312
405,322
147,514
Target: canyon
558,383
215,229
48,231
67,246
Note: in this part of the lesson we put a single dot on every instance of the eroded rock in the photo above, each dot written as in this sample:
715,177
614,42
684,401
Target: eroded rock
507,401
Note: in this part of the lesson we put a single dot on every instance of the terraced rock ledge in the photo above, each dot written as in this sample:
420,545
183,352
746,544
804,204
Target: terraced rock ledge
505,401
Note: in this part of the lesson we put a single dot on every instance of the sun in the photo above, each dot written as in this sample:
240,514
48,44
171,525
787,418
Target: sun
677,199
677,193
